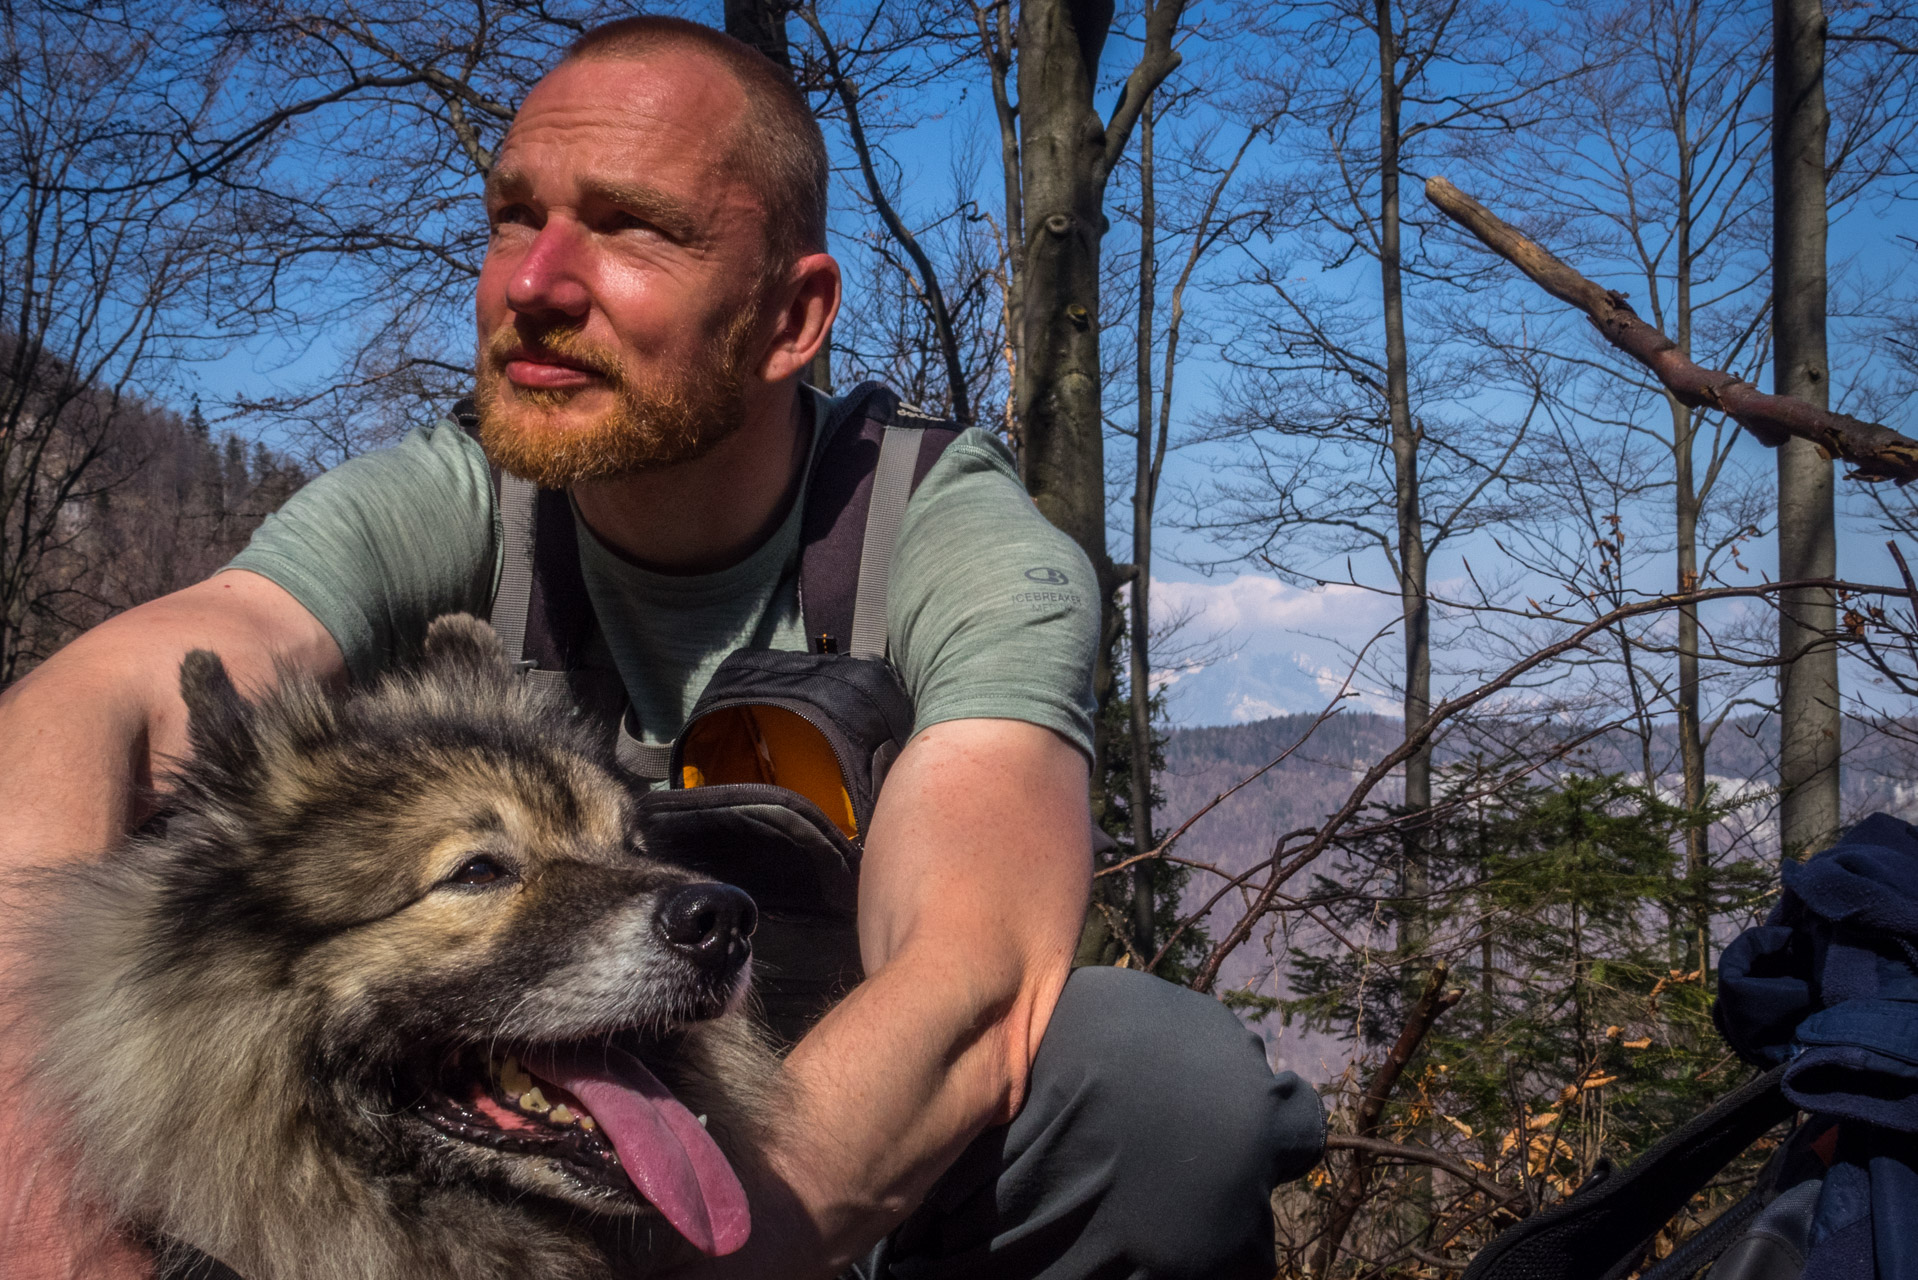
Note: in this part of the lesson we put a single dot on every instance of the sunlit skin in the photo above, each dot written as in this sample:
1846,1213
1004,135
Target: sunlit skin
615,214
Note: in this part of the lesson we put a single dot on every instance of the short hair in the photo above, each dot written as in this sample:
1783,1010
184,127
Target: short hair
778,146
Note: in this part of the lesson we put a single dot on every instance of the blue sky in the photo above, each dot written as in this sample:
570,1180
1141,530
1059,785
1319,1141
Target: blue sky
1276,645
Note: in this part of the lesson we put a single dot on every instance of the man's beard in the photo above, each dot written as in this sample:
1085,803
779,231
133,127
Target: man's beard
674,416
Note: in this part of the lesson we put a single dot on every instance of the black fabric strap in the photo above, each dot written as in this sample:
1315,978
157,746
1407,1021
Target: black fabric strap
1601,1232
832,538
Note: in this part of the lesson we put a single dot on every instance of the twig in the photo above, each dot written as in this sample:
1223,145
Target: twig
1878,452
1432,1002
1387,1150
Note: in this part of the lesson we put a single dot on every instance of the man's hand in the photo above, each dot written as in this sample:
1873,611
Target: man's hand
80,739
972,893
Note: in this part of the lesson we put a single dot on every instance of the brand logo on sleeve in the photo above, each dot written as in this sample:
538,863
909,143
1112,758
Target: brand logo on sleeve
1048,592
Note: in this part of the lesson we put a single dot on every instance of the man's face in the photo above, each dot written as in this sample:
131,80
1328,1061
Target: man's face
617,305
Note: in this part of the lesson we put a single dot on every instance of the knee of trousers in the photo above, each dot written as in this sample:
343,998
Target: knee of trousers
1177,1093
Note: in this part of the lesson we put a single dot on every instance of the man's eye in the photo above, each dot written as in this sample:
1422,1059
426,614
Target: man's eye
510,215
622,221
480,870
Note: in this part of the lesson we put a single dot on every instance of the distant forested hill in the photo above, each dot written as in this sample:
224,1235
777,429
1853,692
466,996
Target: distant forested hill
1881,773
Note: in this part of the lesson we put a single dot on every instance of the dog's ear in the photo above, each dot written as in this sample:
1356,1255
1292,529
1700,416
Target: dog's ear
459,643
219,722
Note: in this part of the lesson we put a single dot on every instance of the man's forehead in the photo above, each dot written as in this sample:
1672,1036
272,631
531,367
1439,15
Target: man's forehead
675,89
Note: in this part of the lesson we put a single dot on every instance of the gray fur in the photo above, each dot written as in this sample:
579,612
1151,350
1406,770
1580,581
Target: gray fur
232,1018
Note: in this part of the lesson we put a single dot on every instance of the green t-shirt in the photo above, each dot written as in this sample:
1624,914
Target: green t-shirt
990,610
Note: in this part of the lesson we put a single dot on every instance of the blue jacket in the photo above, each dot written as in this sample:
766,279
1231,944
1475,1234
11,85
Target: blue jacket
1829,985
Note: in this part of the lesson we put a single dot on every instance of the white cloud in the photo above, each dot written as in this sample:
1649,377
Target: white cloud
1287,649
1250,605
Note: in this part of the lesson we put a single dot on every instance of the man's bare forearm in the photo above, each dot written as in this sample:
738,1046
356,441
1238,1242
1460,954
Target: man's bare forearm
973,888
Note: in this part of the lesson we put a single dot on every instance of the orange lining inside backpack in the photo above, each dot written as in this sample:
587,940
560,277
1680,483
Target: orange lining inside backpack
762,743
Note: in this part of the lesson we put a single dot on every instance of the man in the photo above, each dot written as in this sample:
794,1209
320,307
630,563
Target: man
654,286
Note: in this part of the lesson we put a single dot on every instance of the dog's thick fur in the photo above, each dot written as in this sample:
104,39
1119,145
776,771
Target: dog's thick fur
241,1025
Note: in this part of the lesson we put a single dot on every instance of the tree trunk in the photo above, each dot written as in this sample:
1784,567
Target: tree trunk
1411,529
995,42
1140,675
1688,504
1062,148
1807,542
1691,741
761,24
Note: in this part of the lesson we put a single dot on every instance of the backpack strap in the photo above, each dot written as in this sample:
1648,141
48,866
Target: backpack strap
541,610
876,453
1602,1231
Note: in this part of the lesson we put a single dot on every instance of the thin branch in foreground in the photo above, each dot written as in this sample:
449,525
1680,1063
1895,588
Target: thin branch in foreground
1877,452
1385,1149
1432,1002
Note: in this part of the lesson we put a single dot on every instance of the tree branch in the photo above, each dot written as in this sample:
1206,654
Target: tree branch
1156,61
1432,1002
1878,452
1417,1154
934,296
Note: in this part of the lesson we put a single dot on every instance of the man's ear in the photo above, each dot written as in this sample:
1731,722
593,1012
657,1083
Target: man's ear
219,722
808,303
460,644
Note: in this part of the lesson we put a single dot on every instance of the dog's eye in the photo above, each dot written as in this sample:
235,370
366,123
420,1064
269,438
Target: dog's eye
480,870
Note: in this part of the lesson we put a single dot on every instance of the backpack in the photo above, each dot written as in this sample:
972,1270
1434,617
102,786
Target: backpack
1824,996
773,780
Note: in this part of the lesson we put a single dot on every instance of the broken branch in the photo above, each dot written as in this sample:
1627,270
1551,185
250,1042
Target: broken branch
1877,452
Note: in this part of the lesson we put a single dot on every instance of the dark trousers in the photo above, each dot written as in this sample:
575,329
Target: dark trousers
1151,1138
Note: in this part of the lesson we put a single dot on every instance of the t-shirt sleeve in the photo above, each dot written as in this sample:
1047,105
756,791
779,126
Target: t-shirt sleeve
384,543
991,610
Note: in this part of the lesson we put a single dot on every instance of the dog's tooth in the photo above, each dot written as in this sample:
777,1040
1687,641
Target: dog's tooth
560,1114
702,1122
588,1123
513,1077
534,1100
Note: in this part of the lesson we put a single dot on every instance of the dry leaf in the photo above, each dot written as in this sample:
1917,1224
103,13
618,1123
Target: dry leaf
1646,1043
1540,1121
1458,1124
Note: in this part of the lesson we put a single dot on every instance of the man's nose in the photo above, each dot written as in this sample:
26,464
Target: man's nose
550,278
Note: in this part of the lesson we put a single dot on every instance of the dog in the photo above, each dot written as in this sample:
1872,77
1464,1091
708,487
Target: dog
398,993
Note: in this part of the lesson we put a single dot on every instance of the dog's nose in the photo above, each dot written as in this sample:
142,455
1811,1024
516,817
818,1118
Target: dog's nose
709,924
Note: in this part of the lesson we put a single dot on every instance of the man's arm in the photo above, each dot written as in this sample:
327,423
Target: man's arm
972,893
81,739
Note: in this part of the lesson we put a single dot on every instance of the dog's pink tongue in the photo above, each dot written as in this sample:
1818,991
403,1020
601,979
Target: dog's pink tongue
666,1151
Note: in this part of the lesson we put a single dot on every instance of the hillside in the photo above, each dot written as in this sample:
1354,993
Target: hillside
1881,774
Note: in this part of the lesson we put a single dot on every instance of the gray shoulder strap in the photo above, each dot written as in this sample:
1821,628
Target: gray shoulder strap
891,491
515,595
648,762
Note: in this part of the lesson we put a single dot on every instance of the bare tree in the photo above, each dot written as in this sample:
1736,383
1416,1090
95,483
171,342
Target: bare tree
1067,152
1655,169
1195,228
1349,444
1808,701
102,250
